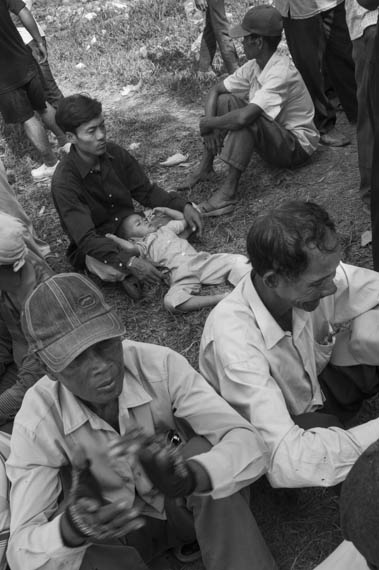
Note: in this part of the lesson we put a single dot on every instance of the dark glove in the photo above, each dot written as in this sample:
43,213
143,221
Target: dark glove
166,468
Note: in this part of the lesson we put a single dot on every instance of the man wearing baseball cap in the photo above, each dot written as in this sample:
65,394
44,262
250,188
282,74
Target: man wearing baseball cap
113,411
264,106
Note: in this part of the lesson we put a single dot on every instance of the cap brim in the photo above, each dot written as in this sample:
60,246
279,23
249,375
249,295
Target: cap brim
59,354
238,32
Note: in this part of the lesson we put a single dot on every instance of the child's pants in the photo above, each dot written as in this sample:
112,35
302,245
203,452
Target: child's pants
212,269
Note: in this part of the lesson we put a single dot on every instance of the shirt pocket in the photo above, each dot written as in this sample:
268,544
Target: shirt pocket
323,348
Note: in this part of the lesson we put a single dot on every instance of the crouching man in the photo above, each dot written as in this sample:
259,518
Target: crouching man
100,400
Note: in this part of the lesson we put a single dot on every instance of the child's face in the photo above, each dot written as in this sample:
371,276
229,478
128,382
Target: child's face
136,226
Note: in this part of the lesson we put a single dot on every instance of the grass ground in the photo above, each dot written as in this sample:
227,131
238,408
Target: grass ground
150,40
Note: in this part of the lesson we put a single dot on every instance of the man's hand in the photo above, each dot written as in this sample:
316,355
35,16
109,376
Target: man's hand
146,271
193,219
88,516
42,53
162,461
201,5
214,142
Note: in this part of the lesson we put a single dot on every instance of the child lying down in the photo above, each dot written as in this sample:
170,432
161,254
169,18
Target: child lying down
188,268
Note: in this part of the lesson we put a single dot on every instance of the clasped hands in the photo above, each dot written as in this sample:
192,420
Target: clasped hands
90,517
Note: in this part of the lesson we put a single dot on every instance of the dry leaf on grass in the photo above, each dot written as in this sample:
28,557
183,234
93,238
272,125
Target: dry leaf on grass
175,159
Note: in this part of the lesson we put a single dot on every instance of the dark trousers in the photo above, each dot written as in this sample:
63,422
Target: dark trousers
323,40
225,529
373,109
216,31
362,48
345,388
275,144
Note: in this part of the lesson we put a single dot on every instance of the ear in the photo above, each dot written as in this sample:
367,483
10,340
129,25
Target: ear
270,279
260,42
71,137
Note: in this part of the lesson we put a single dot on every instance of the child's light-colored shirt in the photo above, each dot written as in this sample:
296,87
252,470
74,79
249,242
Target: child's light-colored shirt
166,248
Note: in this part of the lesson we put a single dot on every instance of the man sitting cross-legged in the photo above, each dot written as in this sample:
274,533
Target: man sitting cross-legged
93,190
108,405
294,348
264,106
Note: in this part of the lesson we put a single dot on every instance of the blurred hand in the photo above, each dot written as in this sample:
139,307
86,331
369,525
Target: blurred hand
88,515
193,219
201,5
42,53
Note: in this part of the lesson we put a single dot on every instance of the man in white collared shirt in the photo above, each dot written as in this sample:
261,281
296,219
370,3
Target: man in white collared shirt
277,346
264,107
98,395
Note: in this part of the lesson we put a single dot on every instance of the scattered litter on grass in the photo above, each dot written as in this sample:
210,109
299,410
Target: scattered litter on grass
131,89
175,159
80,65
134,146
366,238
90,16
93,41
41,212
143,52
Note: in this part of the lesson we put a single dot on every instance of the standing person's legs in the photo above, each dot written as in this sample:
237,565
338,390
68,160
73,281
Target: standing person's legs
307,43
208,44
338,59
52,92
38,137
365,135
373,111
220,26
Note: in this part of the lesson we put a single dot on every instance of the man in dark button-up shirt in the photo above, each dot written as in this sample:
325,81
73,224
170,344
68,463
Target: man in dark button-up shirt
93,188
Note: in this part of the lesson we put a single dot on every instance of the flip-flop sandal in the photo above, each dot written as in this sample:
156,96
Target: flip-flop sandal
207,211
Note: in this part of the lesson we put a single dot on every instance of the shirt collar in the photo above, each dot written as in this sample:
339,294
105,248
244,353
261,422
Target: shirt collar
271,62
75,413
271,331
83,167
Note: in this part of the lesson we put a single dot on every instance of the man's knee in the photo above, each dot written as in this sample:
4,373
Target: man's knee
227,102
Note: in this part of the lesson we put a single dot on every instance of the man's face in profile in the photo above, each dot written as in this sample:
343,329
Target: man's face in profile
316,282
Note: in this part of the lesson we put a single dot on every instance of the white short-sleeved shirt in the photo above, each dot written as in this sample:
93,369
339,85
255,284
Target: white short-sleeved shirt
301,9
280,92
358,18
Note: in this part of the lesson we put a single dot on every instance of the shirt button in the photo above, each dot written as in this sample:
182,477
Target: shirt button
120,264
105,261
110,195
116,219
112,205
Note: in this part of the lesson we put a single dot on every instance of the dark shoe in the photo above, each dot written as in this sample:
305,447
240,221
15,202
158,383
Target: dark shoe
132,287
334,138
187,553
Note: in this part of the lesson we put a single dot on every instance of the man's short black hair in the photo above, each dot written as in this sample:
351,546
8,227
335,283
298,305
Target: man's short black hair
75,110
280,236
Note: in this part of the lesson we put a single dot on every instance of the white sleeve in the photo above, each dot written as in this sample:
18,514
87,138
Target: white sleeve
35,538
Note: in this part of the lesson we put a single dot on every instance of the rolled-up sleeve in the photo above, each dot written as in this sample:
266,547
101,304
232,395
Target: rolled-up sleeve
35,539
238,456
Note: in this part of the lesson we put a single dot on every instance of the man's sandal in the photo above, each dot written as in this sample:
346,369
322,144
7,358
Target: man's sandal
207,210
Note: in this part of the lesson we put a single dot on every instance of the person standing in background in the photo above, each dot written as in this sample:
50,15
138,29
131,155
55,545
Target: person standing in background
318,38
216,32
361,25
